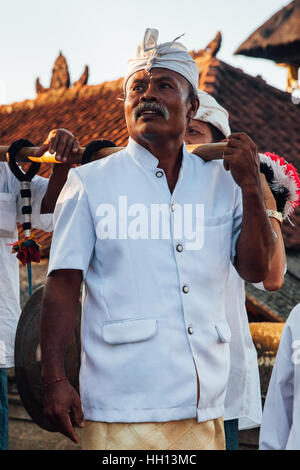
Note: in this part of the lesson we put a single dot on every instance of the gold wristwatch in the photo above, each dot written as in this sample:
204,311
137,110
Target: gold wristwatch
275,214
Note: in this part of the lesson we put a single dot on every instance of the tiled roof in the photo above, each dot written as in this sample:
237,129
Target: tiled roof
265,113
88,112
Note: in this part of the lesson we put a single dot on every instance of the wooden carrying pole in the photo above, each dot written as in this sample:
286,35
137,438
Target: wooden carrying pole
206,151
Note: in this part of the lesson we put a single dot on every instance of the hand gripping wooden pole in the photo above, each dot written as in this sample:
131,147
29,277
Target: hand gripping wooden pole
206,151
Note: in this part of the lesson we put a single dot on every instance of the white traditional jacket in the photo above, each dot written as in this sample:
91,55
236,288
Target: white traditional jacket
10,214
280,427
153,312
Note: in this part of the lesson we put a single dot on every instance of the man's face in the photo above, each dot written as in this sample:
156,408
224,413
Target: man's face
198,132
157,106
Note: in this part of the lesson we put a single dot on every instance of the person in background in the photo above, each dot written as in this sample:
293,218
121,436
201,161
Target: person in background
280,428
243,399
44,195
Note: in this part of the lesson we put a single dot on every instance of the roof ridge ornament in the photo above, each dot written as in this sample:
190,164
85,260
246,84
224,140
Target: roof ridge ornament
60,79
210,50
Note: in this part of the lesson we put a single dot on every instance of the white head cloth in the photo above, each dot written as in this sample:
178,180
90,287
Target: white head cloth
210,111
169,55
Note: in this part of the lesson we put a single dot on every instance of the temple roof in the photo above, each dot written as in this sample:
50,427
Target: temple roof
278,39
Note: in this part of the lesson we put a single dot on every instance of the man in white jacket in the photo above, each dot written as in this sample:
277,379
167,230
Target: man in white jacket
154,329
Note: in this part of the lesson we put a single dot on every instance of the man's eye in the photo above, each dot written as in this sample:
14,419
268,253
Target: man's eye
194,131
164,85
137,87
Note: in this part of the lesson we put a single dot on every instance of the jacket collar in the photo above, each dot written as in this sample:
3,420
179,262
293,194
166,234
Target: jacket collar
141,155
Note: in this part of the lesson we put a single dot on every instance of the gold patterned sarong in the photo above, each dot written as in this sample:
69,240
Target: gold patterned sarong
186,434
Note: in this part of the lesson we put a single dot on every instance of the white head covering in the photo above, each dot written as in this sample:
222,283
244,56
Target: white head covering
169,55
210,111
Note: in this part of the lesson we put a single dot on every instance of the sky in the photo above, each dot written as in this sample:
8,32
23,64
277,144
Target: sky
103,34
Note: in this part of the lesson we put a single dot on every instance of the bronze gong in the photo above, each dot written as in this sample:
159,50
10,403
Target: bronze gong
28,360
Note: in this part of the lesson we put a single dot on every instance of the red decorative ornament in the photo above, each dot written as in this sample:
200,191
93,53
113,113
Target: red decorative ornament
27,250
285,178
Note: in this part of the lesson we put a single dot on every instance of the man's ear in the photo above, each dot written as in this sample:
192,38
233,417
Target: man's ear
193,107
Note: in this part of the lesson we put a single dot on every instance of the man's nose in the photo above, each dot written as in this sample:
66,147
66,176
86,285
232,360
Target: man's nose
150,95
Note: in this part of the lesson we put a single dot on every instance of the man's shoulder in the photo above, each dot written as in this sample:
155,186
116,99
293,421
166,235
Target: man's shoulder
212,166
102,166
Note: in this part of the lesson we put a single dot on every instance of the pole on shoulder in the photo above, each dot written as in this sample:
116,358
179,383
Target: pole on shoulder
206,151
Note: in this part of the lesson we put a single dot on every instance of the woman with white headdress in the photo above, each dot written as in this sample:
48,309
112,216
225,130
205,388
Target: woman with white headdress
243,399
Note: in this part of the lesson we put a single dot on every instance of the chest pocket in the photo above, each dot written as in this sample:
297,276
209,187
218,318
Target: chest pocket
219,228
8,215
217,244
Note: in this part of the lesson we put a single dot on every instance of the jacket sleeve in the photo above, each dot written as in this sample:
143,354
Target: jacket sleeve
74,234
278,408
237,222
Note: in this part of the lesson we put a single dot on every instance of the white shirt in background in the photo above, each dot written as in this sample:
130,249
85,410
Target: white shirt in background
280,429
10,214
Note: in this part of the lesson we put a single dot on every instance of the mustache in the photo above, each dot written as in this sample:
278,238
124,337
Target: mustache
155,107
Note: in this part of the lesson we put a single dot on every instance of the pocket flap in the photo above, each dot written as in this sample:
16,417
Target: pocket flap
129,331
219,220
223,331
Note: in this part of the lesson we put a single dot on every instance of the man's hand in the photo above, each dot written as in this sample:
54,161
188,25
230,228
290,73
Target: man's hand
241,158
65,145
61,399
61,142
